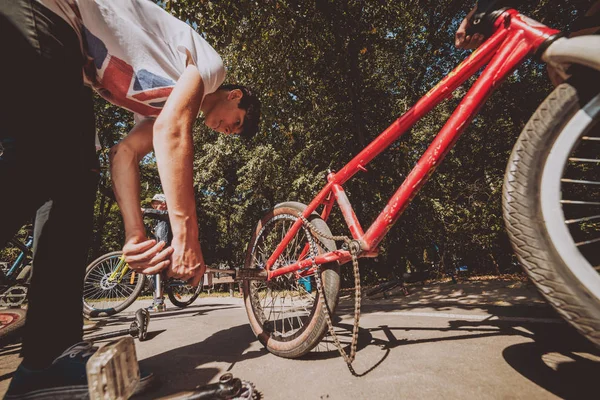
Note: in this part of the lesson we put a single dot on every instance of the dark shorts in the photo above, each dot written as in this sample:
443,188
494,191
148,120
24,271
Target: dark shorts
47,135
46,118
45,104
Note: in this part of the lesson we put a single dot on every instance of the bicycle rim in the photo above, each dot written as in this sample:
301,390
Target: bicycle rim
103,296
181,293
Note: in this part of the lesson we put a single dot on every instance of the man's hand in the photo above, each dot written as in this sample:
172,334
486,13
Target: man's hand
187,262
464,41
146,256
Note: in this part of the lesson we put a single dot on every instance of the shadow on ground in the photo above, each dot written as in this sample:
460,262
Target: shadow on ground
557,358
554,356
173,312
181,367
496,292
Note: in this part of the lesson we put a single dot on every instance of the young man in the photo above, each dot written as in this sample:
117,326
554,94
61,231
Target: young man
139,57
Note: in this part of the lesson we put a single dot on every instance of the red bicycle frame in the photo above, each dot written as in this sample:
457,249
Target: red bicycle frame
514,37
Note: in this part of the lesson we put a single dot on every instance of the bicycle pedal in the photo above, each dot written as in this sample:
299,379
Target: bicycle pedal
250,274
159,307
113,371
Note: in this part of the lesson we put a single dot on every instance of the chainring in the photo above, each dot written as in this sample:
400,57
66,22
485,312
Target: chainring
14,296
248,392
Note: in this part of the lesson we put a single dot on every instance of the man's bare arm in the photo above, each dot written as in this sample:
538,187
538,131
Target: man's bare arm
173,147
143,255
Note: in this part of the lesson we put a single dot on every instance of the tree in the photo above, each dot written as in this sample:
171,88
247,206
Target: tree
332,75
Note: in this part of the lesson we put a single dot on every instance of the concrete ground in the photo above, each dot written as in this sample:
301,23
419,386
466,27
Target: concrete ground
474,340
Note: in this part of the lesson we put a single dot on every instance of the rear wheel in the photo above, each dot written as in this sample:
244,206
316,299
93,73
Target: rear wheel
287,316
552,205
102,296
181,293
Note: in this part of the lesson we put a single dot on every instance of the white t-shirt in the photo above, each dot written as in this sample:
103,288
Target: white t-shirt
136,51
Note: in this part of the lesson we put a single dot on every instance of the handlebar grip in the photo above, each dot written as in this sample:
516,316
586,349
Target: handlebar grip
471,30
477,23
482,21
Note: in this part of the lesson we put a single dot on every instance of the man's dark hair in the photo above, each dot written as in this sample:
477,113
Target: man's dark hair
251,104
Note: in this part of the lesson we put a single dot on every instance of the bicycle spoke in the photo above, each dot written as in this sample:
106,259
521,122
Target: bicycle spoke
587,242
580,181
579,202
287,249
584,160
297,317
584,219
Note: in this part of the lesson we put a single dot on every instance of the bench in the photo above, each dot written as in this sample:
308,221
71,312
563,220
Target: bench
210,281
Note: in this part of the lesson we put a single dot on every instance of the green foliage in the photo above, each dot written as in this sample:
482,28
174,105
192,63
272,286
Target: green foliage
332,75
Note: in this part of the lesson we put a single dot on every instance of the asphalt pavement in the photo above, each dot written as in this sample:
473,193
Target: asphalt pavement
473,340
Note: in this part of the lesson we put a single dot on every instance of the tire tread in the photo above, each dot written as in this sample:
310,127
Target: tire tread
525,229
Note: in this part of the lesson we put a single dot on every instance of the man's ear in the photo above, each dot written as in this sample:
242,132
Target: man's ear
235,94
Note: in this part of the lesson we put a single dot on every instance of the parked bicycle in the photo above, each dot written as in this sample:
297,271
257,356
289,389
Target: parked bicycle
550,196
14,281
110,286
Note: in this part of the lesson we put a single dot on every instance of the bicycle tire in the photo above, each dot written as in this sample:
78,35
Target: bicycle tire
311,322
95,285
528,191
173,291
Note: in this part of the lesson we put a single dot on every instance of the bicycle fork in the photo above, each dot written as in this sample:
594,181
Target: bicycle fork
120,271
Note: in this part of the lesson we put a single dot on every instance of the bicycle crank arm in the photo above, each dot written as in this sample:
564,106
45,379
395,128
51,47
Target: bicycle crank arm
250,274
221,271
108,335
137,329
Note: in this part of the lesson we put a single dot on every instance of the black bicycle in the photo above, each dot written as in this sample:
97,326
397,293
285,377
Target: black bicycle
110,285
15,273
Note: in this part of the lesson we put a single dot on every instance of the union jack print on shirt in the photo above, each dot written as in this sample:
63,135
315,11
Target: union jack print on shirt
141,91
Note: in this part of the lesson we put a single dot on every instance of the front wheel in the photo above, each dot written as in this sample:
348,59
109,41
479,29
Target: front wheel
181,293
104,294
551,203
286,313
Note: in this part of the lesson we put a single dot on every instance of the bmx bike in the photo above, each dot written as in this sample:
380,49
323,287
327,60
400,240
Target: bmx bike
14,280
110,285
550,196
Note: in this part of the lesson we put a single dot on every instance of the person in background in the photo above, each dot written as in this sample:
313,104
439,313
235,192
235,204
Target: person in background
162,232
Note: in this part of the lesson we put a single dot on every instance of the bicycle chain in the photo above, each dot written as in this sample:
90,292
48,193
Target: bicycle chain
354,248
